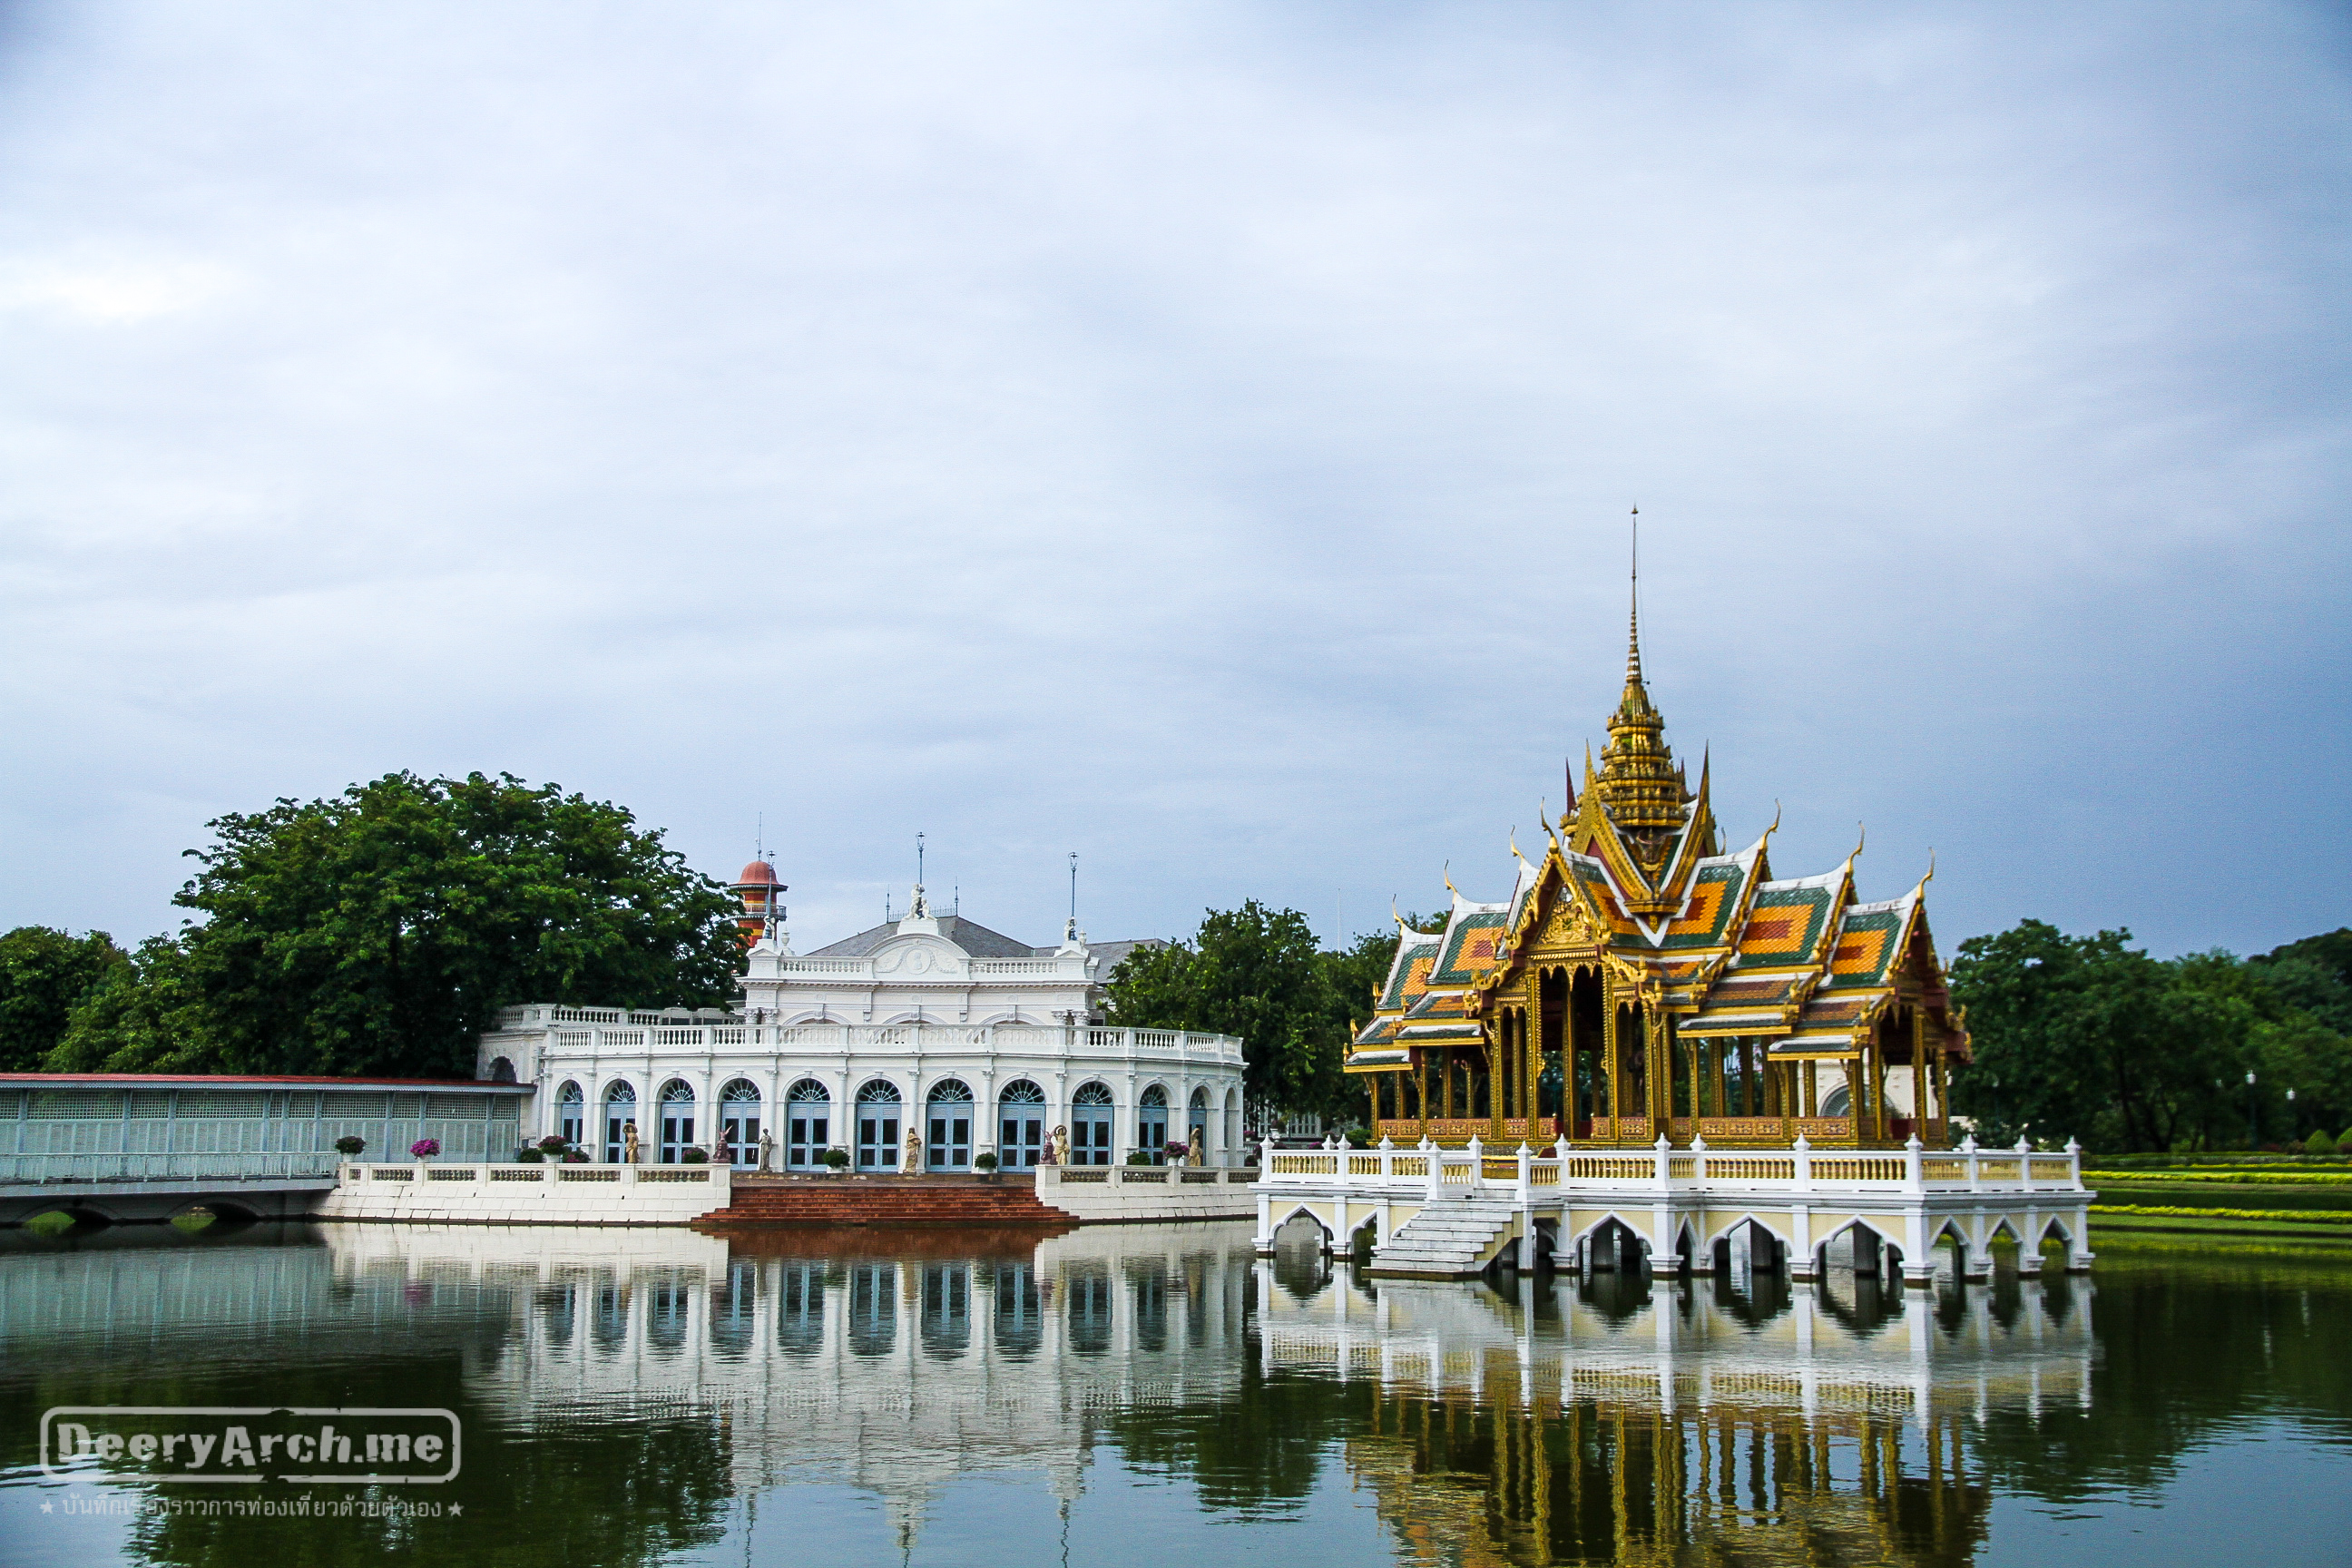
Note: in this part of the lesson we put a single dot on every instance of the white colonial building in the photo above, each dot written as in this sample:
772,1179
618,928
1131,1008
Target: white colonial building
931,1025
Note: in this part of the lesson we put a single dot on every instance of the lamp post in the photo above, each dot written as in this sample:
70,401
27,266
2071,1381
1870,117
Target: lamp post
2253,1133
2293,1131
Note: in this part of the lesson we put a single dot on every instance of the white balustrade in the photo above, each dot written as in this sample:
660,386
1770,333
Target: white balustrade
1564,1170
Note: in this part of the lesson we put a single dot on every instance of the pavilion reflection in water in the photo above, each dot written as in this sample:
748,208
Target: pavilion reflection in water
1739,1419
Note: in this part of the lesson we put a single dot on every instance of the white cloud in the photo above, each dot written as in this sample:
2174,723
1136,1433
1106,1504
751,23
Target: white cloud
112,294
1195,435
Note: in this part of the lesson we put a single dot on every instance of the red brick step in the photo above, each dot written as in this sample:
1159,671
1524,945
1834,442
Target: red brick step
886,1200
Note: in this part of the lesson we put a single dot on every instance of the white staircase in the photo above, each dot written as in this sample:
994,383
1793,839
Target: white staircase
1450,1239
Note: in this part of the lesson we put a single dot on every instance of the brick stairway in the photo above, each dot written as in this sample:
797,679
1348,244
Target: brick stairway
886,1200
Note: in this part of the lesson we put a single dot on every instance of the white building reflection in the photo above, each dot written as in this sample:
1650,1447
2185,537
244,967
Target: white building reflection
894,1373
1841,1343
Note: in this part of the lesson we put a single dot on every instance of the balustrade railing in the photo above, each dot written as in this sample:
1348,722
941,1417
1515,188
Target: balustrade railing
1430,1169
548,1172
611,1035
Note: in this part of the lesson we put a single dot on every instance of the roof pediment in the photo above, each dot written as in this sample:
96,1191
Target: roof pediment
921,957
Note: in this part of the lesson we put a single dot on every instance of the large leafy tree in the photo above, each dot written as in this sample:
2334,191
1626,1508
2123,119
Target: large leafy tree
143,1016
2089,1037
1254,973
381,930
44,976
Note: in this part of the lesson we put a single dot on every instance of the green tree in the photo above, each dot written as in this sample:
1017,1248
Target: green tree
381,930
2090,1037
2314,976
143,1016
44,976
1257,974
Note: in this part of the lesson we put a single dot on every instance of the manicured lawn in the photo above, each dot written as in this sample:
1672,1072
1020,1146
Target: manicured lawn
2154,1192
2182,1224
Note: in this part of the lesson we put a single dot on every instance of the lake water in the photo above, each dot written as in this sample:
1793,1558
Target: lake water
1126,1395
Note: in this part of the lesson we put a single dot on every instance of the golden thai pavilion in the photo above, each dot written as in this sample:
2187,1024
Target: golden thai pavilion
1639,982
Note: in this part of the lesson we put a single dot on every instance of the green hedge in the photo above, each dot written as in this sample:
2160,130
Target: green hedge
2315,1178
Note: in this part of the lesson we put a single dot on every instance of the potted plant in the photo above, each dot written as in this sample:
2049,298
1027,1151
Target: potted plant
1175,1153
350,1146
424,1149
1139,1157
696,1156
529,1154
836,1161
986,1163
554,1144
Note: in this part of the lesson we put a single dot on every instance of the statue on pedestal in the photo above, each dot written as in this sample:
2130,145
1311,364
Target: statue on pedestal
914,1162
628,1142
767,1150
1198,1153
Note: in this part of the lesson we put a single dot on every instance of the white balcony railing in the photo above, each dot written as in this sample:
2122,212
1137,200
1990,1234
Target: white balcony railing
578,1037
1560,1169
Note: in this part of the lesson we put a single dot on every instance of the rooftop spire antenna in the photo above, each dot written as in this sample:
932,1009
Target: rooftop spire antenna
1634,636
919,860
1070,931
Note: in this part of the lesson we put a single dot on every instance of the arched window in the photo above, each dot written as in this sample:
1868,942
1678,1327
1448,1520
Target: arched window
1021,1125
949,1142
620,1116
808,1122
1196,1119
878,1125
739,1123
1151,1124
1090,1124
677,1121
501,1070
570,1110
1839,1103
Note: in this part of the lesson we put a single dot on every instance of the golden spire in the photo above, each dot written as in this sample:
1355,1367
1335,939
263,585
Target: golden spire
1641,788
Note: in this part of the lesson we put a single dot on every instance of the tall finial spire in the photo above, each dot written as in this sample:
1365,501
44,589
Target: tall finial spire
1633,623
1639,786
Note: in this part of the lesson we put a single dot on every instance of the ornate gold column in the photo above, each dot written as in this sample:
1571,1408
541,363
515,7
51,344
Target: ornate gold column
1535,1045
1609,1049
1660,1074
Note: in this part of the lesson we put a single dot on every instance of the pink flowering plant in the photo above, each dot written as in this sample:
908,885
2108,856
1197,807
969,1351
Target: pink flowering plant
425,1148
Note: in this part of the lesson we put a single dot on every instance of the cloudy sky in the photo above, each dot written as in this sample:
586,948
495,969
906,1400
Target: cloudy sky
1196,437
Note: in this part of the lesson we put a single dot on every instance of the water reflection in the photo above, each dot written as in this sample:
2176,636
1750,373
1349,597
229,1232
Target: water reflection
1609,1417
1618,1417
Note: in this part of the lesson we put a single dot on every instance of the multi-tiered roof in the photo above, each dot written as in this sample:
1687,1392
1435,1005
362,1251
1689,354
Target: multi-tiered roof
1636,879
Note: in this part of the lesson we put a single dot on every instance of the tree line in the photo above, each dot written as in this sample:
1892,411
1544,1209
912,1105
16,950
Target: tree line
380,931
2089,1037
